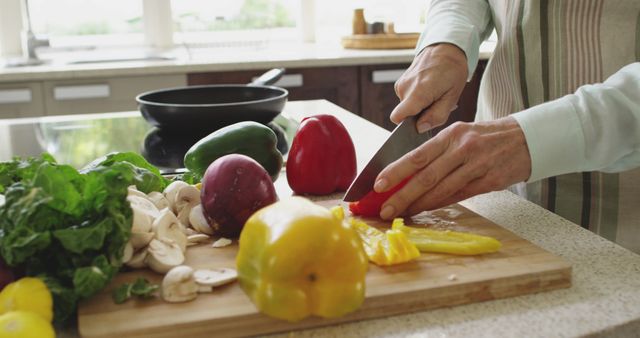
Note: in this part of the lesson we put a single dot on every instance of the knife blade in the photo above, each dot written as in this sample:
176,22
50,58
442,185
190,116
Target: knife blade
403,138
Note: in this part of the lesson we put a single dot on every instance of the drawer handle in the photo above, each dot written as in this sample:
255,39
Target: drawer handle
386,76
9,96
288,81
62,93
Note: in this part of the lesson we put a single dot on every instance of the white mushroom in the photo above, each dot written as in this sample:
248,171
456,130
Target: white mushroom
144,212
210,278
159,200
132,190
171,191
179,285
198,221
140,239
138,261
127,252
2,200
196,239
187,196
190,231
221,243
168,228
186,199
164,255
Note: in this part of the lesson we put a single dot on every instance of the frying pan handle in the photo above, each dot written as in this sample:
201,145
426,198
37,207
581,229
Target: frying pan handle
269,78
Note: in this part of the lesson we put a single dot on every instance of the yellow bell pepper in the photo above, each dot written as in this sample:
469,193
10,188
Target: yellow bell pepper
24,324
298,259
27,294
385,248
445,241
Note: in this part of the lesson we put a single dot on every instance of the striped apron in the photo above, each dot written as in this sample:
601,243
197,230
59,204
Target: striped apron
547,49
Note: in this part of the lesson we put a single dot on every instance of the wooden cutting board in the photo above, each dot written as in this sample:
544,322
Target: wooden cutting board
432,281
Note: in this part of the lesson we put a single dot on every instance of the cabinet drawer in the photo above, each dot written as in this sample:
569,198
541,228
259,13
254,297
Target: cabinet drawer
102,95
21,100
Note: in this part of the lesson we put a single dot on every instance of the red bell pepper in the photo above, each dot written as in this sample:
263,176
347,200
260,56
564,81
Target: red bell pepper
322,158
371,203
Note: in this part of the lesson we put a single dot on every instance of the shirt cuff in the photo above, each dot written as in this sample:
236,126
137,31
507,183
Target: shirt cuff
463,36
555,138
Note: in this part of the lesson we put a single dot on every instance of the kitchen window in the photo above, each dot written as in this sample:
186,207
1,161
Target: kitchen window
71,23
233,23
88,24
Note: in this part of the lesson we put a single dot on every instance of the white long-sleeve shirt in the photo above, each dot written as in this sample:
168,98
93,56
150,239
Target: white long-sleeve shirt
568,71
596,128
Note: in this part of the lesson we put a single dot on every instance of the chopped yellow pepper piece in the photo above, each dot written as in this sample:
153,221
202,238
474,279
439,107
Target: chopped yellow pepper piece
446,241
385,248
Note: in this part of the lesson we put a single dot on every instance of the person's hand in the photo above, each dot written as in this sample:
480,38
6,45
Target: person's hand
461,161
434,81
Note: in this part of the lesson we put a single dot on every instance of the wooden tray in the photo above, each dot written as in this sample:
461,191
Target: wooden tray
381,41
432,281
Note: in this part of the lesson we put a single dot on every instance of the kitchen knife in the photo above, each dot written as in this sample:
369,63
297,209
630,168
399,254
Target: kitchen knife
404,138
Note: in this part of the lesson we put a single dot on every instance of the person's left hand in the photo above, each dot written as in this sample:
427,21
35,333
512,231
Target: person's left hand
461,161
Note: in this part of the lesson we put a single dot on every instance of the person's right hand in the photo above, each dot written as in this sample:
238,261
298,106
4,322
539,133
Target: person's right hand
434,81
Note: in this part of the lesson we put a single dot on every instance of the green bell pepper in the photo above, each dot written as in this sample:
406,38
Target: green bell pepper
248,138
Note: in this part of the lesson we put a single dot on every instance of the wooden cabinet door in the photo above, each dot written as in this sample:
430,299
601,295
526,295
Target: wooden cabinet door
378,97
336,84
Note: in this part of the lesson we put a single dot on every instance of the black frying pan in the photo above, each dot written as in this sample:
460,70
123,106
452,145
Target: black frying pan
210,107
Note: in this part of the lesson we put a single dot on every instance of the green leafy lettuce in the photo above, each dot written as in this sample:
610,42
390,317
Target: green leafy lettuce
70,227
141,288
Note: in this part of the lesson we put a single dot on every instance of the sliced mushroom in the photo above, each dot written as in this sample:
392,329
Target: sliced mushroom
159,200
221,243
168,228
190,231
198,221
171,191
138,261
144,213
140,239
187,196
127,253
132,190
215,277
164,255
179,285
197,239
183,216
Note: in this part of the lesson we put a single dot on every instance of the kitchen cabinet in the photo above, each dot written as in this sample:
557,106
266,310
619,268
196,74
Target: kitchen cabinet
21,100
364,90
336,84
102,94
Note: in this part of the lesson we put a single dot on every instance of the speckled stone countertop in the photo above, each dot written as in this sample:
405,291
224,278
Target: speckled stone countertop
294,55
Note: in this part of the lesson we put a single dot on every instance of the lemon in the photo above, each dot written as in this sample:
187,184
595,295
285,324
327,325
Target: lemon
23,324
27,294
